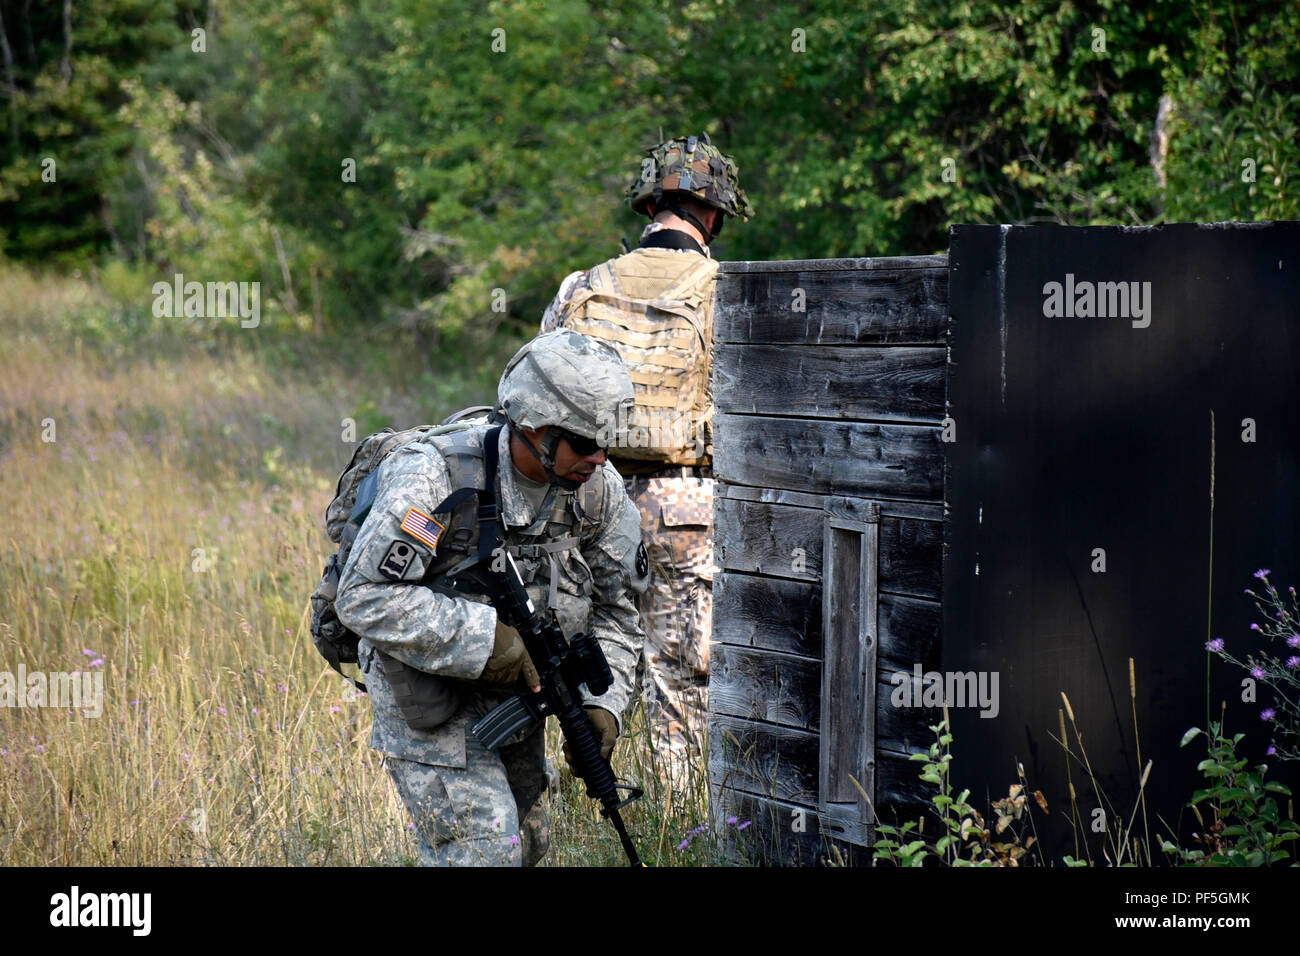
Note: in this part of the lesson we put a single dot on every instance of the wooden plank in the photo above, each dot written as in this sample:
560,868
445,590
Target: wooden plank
902,729
724,489
872,264
910,631
824,381
781,763
870,307
897,507
783,615
861,459
752,679
849,674
778,834
771,613
784,541
761,685
900,794
764,759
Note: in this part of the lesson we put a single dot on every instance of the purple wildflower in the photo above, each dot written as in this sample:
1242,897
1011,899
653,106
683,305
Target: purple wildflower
1268,713
1254,627
284,688
221,710
1293,661
514,840
97,662
88,652
1271,751
743,825
1262,573
1293,640
1215,645
1257,672
732,821
335,710
684,844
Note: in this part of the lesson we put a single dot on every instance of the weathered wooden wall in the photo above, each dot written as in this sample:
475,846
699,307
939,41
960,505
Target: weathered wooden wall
820,413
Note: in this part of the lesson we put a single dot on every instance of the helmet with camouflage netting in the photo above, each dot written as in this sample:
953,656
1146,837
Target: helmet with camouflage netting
689,165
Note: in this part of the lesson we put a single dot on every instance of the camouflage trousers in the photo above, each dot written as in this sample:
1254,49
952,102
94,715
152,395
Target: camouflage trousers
676,613
491,813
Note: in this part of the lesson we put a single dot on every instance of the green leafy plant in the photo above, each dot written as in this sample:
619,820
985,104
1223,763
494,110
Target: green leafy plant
1246,828
964,839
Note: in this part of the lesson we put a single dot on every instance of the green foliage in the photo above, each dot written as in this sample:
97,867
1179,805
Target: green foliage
492,144
1246,828
964,839
63,96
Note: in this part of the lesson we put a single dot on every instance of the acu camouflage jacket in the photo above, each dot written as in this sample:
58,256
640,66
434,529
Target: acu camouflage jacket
381,597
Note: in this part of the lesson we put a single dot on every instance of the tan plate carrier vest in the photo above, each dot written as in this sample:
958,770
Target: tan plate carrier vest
655,306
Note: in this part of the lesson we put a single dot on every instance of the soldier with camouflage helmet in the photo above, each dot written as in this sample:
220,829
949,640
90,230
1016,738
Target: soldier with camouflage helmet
435,656
655,305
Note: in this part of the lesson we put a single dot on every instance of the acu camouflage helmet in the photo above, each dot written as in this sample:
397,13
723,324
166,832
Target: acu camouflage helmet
566,379
693,165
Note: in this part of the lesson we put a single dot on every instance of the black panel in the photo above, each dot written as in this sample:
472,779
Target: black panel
1082,433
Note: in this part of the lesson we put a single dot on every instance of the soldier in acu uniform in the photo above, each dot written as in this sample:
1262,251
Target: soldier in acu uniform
434,654
655,305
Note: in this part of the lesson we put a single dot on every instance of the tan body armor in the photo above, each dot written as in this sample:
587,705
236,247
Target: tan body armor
655,306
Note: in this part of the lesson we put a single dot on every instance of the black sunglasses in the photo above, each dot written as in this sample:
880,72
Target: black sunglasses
582,446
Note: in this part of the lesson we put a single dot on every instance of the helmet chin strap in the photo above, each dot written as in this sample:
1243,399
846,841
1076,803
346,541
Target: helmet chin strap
682,212
546,458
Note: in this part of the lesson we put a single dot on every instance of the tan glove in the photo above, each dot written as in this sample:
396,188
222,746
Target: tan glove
606,727
509,659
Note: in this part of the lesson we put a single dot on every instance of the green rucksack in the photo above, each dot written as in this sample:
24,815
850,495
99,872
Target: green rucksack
353,496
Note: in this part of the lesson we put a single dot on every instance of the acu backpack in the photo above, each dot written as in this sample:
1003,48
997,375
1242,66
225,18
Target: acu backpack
353,496
655,307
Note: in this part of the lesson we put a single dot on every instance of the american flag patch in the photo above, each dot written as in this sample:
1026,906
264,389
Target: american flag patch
422,527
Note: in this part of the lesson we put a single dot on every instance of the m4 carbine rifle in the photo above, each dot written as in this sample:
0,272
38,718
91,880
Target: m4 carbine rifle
562,666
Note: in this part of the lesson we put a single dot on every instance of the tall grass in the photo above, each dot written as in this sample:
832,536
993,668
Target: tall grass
168,536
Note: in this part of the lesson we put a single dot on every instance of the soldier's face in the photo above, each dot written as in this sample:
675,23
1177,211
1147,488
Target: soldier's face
568,463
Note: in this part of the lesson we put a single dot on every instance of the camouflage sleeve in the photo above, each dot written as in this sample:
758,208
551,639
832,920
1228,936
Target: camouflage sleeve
619,571
379,596
573,283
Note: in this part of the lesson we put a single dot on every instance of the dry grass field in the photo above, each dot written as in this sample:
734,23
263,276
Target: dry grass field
161,526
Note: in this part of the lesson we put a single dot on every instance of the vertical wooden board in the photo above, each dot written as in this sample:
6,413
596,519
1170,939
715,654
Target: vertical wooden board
757,537
858,459
883,306
898,383
760,685
842,690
